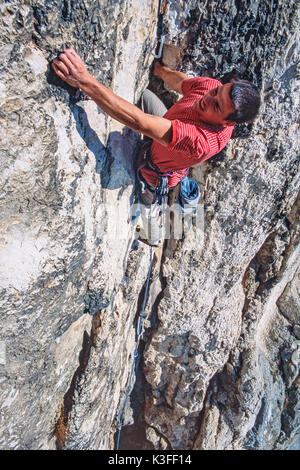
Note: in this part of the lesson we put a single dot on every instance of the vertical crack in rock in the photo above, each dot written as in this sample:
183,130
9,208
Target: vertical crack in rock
134,436
61,431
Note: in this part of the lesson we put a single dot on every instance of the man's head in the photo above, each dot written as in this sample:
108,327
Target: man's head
229,104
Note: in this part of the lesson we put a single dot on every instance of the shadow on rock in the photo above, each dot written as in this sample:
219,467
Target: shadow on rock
115,161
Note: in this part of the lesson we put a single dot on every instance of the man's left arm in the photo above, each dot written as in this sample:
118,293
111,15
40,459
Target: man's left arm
70,68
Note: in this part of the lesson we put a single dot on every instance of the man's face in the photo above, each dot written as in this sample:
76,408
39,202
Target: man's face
215,106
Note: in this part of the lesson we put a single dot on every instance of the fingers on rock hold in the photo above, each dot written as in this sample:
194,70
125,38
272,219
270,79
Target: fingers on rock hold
57,71
64,58
61,66
70,52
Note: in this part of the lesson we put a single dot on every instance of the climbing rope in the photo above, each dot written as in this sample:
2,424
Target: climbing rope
139,334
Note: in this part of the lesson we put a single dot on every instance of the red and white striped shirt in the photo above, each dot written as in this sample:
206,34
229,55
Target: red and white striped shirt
193,141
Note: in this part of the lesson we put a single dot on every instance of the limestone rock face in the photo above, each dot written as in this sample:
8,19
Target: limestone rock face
66,187
219,365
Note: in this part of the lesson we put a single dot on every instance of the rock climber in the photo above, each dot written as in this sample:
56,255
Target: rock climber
194,129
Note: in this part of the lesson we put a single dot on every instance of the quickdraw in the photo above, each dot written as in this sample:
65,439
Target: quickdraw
162,41
161,37
164,7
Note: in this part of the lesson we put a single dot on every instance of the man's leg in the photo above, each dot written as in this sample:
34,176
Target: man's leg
151,104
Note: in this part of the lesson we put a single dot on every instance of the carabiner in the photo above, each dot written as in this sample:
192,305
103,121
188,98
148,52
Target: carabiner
162,41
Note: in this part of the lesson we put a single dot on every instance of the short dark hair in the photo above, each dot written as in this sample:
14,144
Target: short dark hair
246,100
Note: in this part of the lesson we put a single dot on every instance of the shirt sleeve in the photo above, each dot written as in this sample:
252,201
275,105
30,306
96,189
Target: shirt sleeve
189,140
199,84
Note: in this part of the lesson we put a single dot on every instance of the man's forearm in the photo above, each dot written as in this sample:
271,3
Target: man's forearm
70,67
155,127
173,78
114,105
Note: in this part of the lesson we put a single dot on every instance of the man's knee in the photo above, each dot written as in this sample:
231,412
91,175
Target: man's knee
151,104
149,95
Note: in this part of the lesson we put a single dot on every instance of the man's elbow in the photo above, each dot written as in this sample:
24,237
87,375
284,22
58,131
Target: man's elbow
178,88
163,136
157,128
166,139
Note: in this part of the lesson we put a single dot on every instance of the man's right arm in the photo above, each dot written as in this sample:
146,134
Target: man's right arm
173,78
70,68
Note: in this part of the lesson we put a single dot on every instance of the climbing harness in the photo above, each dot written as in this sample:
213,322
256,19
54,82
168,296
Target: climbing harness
157,214
134,364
